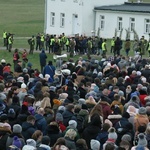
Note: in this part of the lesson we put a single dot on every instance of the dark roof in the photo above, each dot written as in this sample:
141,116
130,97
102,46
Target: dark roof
127,7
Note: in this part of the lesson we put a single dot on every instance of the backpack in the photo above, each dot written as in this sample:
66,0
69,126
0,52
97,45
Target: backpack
29,41
80,123
121,130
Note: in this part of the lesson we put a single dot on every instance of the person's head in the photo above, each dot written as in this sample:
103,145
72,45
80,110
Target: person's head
50,63
109,146
71,134
41,111
70,107
117,97
95,120
95,145
37,135
45,140
106,127
81,143
31,119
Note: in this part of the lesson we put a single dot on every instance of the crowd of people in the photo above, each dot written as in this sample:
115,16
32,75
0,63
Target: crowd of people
93,104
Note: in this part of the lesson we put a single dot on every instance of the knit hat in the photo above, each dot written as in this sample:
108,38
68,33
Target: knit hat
2,106
3,61
45,140
95,145
2,96
52,88
81,101
59,117
17,128
126,137
138,73
17,142
72,124
142,111
23,86
31,142
112,133
25,70
61,108
121,93
142,140
20,79
132,110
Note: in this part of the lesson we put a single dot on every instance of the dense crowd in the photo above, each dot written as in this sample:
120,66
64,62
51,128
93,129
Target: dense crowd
91,104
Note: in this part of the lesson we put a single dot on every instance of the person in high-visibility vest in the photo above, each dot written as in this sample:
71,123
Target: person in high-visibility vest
52,42
10,42
148,47
42,42
31,43
67,44
5,37
104,48
112,45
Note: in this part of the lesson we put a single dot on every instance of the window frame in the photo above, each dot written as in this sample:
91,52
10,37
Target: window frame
52,19
132,24
102,22
62,20
119,23
147,26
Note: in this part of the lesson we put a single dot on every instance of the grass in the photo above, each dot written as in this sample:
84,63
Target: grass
22,17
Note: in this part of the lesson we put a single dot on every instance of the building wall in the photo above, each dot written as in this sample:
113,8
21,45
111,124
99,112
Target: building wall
85,22
111,23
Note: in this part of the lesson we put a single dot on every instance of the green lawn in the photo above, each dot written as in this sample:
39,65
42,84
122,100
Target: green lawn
22,17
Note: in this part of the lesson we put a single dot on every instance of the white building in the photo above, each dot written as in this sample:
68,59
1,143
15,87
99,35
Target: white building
75,16
127,16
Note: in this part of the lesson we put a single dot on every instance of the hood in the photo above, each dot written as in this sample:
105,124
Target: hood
38,117
26,126
83,112
52,129
67,114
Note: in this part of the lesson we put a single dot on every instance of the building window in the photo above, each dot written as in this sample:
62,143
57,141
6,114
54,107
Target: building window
75,1
102,22
147,26
119,24
52,19
62,20
132,24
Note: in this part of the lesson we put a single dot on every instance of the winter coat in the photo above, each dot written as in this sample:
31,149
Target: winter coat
43,58
44,147
89,133
106,109
27,130
70,144
40,122
102,138
119,104
4,133
140,120
54,133
49,69
68,115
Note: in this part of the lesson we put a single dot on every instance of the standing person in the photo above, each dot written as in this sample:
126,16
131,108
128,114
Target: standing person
117,47
10,42
127,46
31,43
5,37
47,42
104,48
112,45
15,58
24,58
52,42
38,38
72,46
148,47
89,48
49,69
63,40
43,58
100,46
42,41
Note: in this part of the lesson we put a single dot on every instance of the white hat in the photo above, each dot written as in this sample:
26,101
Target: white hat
95,145
20,79
23,86
3,61
41,76
66,71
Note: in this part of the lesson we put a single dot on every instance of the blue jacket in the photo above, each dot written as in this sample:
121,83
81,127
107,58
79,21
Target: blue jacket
40,122
43,58
49,69
27,130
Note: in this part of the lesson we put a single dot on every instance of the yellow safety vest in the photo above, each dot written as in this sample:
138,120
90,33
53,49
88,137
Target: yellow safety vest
112,42
10,40
149,46
52,41
103,46
67,42
4,35
42,38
